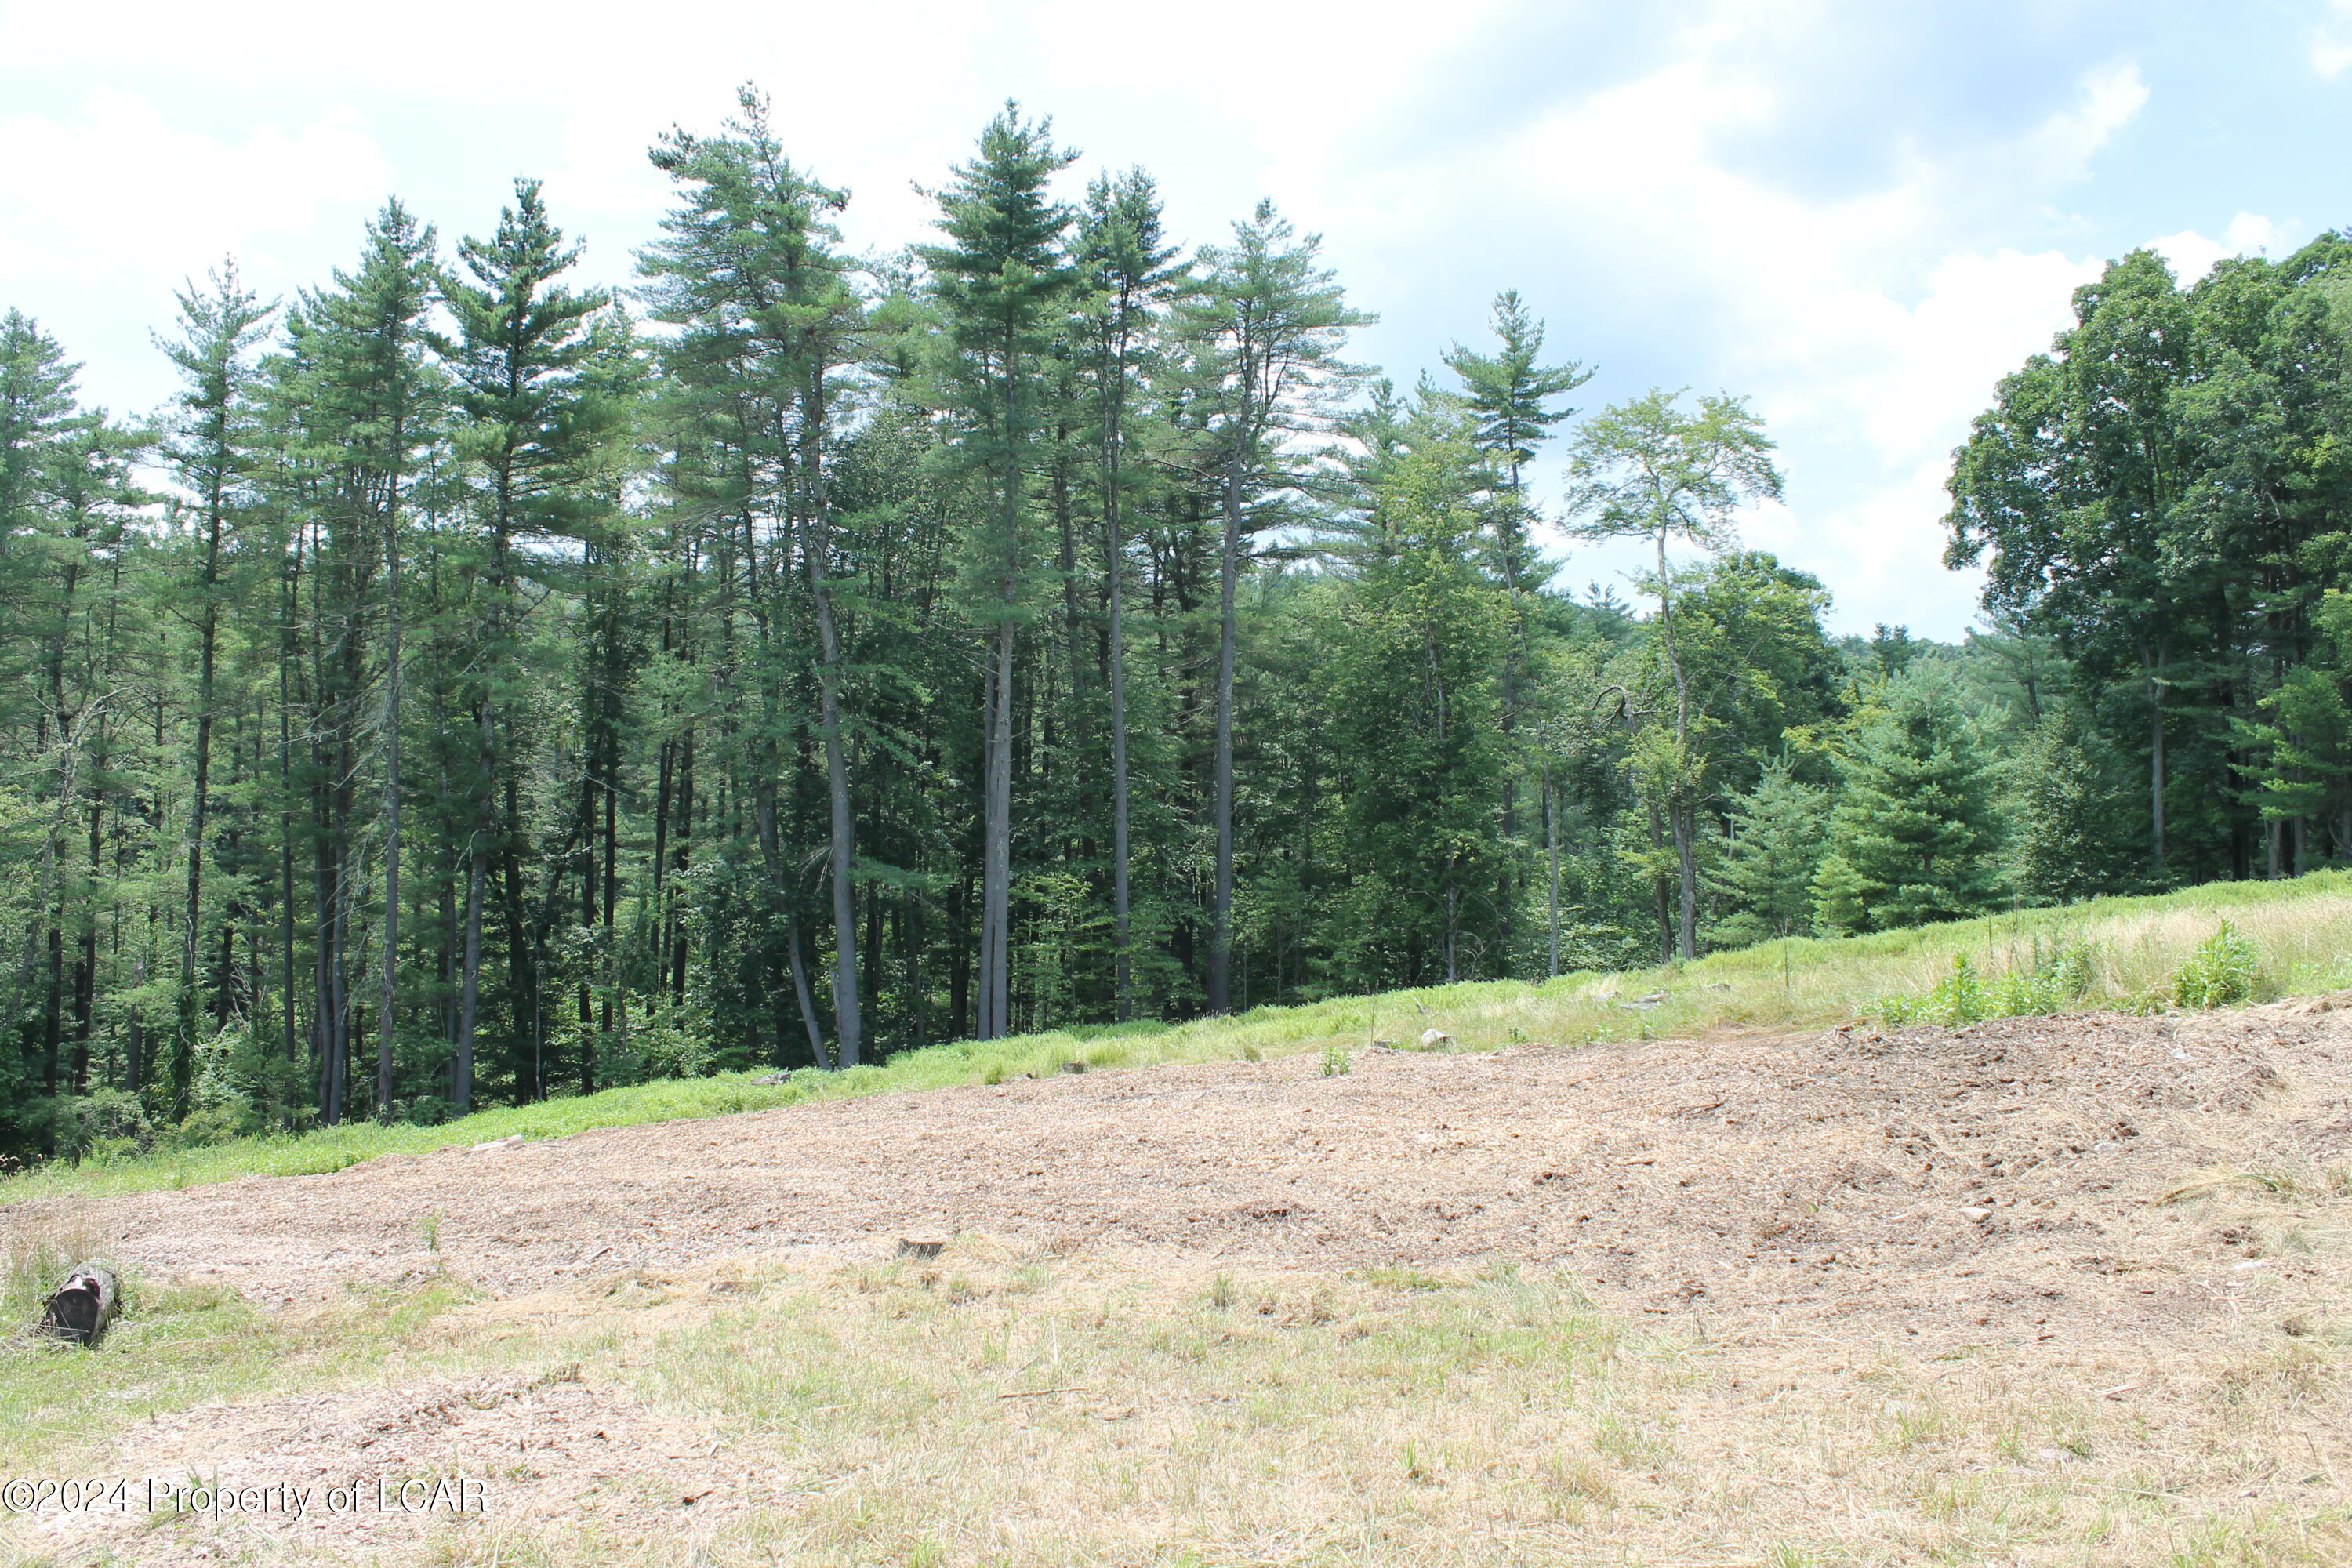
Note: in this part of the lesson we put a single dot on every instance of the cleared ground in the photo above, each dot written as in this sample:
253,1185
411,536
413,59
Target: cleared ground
2067,1289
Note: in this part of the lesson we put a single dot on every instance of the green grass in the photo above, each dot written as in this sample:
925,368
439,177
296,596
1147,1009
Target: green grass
2300,932
174,1346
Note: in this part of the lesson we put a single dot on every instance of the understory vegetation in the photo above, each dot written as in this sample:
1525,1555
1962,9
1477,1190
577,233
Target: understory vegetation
477,688
2204,947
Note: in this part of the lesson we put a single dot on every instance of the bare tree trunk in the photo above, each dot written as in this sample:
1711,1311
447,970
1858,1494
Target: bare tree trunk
392,683
207,642
469,988
847,1018
286,808
1685,830
808,1002
1453,928
1552,849
996,866
2155,772
470,981
134,1034
1220,955
1659,889
1119,779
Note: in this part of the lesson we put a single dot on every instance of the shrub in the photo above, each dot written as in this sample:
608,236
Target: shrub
216,1124
2221,971
672,1046
1955,999
2051,983
104,1124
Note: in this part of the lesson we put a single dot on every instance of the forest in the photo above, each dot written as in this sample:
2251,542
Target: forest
475,686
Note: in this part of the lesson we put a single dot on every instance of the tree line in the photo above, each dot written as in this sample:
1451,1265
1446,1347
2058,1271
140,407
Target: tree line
476,686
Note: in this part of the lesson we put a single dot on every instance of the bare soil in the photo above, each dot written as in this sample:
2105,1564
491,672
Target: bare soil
2009,1183
1996,1175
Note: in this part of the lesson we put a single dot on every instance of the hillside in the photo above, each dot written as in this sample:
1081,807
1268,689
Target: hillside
2130,946
2054,1289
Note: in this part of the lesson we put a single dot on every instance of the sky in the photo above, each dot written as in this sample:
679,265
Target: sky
1859,216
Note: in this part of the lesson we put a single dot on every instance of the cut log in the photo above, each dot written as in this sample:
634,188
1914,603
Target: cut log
81,1310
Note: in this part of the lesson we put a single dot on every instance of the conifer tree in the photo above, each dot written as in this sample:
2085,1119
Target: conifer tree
210,449
533,422
1415,687
1914,832
1775,846
1128,273
1510,393
1002,282
373,399
1266,326
2070,817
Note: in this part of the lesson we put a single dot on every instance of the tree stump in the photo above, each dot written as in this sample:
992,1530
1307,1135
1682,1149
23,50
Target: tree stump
81,1310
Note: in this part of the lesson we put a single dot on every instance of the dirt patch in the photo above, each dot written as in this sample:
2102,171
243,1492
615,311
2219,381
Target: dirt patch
1988,1182
1688,1300
1958,1178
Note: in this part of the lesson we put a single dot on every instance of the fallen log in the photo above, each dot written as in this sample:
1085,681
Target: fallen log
80,1311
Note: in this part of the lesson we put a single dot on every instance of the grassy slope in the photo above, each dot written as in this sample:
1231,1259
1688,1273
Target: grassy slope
2302,929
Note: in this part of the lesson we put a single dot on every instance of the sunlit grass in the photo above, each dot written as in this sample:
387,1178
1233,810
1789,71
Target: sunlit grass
1003,1405
2300,930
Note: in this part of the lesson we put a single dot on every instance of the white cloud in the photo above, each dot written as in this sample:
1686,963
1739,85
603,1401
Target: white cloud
1870,323
2112,97
2331,51
195,192
2191,255
113,207
1867,328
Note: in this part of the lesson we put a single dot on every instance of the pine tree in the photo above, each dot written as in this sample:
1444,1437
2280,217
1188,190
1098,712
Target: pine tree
1266,326
374,401
1510,393
2070,818
1775,846
534,422
1002,282
1914,831
38,415
1414,681
1128,273
210,449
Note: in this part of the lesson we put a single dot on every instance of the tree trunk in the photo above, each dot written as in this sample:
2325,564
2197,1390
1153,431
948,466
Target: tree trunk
996,867
1117,595
1685,829
79,1310
1228,576
808,1002
391,683
1551,850
2156,777
847,1014
469,988
1661,890
207,644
